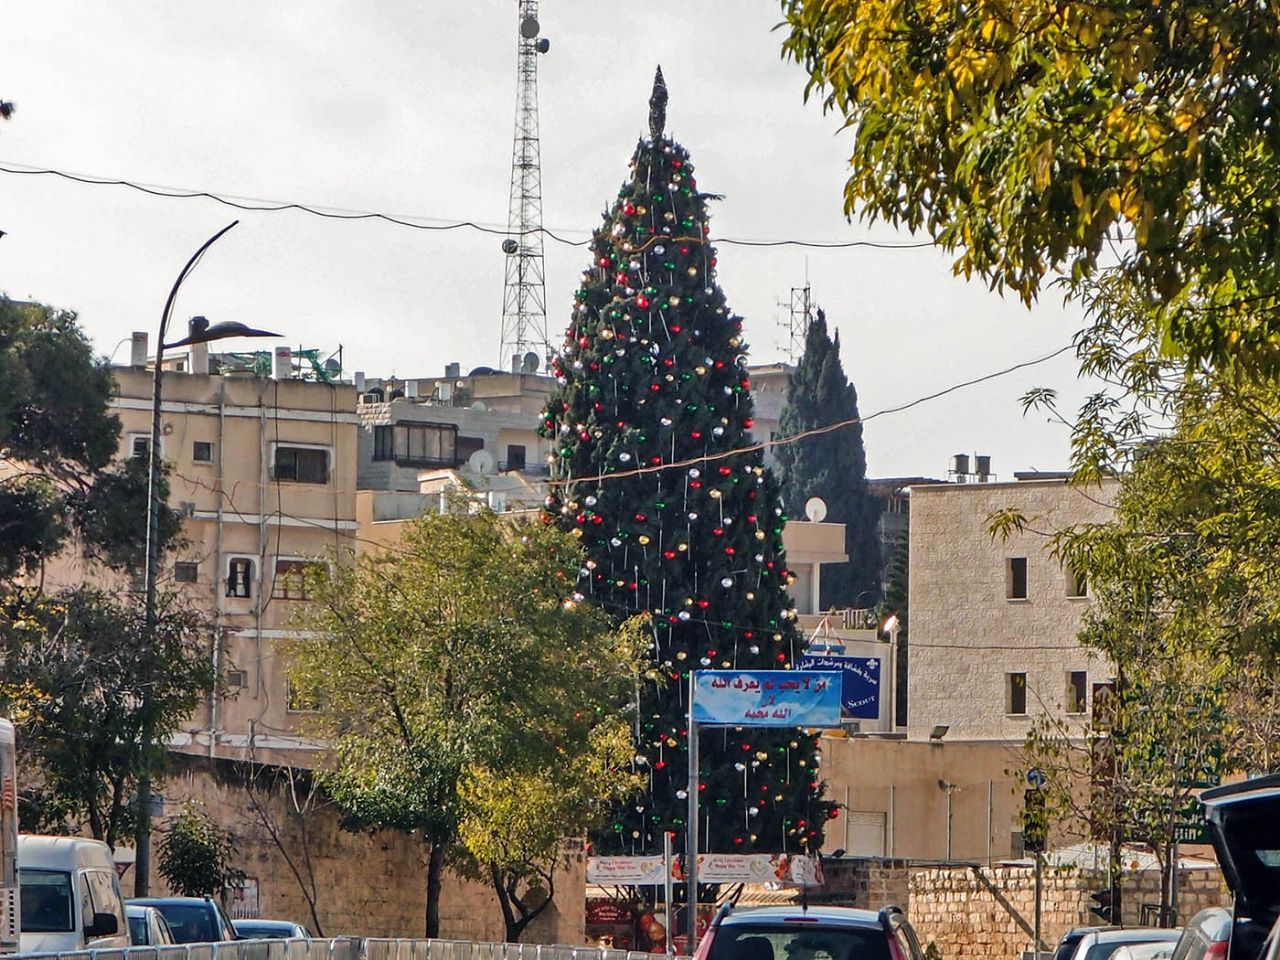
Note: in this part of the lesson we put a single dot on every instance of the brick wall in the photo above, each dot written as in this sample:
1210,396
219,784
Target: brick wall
370,884
974,913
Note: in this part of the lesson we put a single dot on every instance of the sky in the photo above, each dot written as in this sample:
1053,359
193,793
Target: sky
408,108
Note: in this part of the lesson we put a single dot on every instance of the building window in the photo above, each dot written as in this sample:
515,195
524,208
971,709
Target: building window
299,702
1077,584
383,443
301,464
429,444
202,452
1015,694
515,456
467,446
240,577
1015,578
139,446
186,571
1077,691
290,582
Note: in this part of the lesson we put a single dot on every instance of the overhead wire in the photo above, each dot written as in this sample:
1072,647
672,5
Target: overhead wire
414,222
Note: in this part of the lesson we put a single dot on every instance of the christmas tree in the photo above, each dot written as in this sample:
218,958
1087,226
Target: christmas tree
654,469
831,465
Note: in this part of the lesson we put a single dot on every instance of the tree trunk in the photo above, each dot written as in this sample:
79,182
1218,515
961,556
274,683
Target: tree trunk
507,887
435,872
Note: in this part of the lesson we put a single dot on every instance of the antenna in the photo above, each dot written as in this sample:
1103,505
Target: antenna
524,310
797,324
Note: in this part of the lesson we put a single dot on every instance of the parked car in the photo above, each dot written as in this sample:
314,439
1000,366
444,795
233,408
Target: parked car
1067,945
1205,936
780,933
1144,951
70,895
1099,944
147,926
271,930
192,919
1244,823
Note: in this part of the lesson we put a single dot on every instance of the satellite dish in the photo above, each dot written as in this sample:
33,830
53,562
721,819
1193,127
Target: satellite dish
530,363
479,406
815,508
509,246
482,462
332,366
529,27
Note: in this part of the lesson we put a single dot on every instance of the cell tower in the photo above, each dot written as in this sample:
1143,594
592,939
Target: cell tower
524,310
797,323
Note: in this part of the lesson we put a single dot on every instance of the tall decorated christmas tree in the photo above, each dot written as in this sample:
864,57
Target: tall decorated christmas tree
678,516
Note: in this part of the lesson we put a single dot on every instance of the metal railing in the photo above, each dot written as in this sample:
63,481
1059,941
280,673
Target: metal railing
351,948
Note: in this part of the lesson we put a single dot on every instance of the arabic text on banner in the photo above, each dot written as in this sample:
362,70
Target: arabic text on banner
767,698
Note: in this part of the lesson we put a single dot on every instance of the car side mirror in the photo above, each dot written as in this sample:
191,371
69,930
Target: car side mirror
104,925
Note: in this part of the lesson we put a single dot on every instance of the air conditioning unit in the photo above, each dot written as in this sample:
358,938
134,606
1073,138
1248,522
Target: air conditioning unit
237,678
851,727
187,508
370,398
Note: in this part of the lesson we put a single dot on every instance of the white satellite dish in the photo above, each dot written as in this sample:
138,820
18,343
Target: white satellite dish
482,462
530,363
815,508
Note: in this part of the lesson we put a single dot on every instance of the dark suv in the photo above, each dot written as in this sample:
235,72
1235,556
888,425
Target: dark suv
193,919
816,933
1244,821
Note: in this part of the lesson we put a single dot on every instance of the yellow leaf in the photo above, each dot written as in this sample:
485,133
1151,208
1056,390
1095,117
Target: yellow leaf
1077,192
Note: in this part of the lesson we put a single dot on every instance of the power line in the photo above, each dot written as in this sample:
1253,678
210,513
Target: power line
414,222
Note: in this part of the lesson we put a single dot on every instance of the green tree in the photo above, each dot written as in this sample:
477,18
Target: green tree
196,856
831,465
59,446
516,829
653,471
70,677
462,659
1024,137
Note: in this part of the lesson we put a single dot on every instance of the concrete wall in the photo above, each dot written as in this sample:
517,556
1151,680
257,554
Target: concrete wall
897,783
369,884
967,635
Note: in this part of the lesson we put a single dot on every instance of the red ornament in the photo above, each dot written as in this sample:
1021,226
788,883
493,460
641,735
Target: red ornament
696,484
748,423
746,748
660,765
655,460
697,434
737,841
725,471
629,209
703,604
782,658
668,554
676,328
655,387
642,302
729,551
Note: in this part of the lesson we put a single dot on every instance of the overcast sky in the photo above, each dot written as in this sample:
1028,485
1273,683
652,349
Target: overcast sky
407,108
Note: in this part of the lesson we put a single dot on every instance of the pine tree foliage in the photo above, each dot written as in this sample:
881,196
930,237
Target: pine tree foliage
649,425
831,465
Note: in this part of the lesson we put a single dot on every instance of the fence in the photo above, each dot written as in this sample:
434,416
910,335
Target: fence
354,949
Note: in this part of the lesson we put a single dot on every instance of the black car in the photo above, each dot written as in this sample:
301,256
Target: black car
1244,822
193,919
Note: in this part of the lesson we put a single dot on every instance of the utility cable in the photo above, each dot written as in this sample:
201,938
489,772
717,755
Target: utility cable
259,205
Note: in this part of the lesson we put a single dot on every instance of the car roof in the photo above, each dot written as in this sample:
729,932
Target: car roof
844,916
1137,935
176,901
254,922
137,909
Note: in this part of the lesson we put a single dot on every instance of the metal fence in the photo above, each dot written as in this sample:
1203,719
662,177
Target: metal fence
349,948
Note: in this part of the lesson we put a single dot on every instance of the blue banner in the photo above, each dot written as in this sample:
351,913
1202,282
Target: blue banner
767,698
859,682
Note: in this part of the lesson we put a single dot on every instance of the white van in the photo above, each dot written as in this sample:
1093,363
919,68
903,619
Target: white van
70,895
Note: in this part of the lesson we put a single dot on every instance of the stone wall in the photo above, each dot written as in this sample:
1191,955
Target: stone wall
974,913
369,884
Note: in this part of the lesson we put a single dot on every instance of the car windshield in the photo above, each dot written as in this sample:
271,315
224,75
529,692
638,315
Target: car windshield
799,941
46,901
190,923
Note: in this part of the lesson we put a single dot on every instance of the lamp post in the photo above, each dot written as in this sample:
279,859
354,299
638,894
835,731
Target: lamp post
890,629
201,331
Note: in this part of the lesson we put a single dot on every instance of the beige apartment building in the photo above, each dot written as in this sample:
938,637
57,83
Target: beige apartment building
263,471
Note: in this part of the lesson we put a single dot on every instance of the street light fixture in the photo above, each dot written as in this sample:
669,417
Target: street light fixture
201,331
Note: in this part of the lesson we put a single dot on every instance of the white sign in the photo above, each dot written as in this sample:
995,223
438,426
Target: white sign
778,868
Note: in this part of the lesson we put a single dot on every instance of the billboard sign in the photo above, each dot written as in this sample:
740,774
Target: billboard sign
859,682
767,698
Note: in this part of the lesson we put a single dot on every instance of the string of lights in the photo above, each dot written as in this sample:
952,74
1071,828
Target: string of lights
414,222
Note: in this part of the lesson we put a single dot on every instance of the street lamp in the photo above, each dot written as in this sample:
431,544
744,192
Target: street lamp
890,629
201,331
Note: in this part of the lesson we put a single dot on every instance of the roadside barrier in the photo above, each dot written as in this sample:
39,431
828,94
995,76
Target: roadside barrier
353,948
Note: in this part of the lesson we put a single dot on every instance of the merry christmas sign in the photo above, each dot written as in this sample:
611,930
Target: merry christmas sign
767,698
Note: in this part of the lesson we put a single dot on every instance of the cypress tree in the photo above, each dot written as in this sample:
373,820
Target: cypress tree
678,518
831,465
